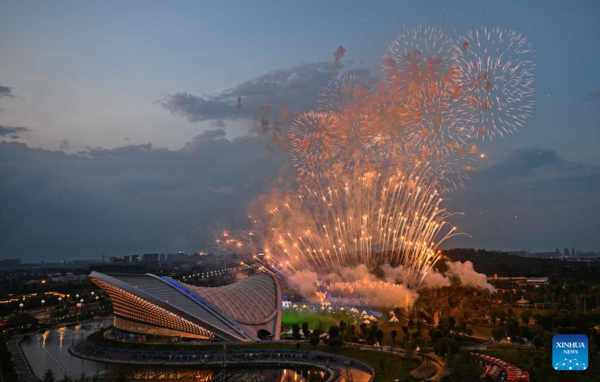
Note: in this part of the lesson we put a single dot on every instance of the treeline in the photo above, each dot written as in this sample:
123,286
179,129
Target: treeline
505,265
8,372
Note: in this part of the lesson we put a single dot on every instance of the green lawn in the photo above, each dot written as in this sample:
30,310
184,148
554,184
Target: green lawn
482,331
468,341
291,317
517,312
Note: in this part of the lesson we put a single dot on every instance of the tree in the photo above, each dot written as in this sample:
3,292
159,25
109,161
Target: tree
320,326
498,334
334,331
315,337
372,332
66,378
538,342
335,342
335,337
512,329
394,334
296,331
436,335
343,327
363,330
305,330
23,321
379,335
417,337
419,326
525,315
48,376
81,378
405,330
544,322
451,322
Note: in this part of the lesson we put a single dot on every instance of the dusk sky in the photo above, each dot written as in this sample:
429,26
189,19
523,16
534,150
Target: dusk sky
119,132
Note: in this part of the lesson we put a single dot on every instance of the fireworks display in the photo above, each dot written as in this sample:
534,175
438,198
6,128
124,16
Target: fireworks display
495,73
376,160
367,220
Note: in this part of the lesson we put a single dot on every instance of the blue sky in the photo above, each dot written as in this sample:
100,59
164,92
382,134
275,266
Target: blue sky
95,73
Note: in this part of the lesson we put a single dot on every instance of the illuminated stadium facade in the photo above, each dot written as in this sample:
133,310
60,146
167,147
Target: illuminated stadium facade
149,307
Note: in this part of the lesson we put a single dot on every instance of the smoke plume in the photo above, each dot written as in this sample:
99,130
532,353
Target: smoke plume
467,275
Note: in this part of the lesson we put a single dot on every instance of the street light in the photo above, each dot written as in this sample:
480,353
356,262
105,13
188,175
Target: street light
21,307
43,302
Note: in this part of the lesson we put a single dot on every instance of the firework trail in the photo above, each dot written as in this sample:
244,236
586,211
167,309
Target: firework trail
360,220
377,158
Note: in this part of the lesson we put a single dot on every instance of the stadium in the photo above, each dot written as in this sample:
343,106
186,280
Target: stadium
159,309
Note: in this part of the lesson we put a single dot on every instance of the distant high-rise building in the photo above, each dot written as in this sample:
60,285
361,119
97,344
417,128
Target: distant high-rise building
150,257
135,259
573,251
126,259
566,251
557,251
9,263
112,259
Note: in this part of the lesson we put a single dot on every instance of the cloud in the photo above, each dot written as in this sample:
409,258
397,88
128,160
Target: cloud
13,132
64,145
206,135
531,199
128,200
218,123
522,162
298,86
6,92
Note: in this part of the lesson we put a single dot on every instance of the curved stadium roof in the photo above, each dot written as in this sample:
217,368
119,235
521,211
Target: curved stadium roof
162,306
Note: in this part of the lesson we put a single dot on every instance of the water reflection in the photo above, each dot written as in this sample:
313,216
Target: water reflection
50,350
233,375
